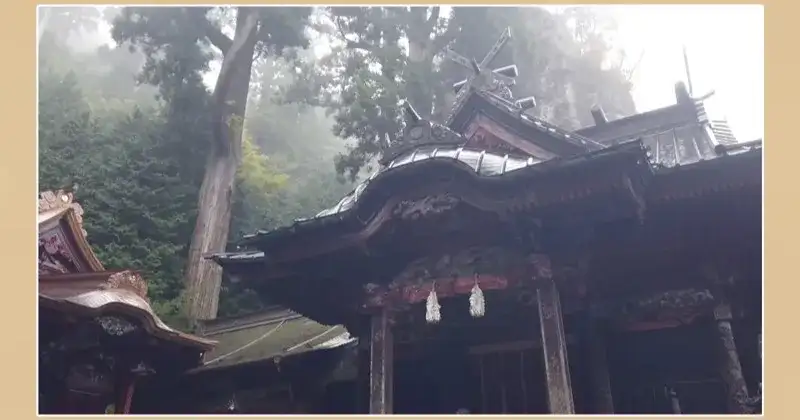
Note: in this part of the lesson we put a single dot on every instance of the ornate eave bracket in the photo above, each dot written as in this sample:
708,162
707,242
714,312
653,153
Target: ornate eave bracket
670,306
419,132
58,200
128,280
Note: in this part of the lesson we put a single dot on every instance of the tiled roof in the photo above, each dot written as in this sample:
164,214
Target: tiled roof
722,132
675,135
481,163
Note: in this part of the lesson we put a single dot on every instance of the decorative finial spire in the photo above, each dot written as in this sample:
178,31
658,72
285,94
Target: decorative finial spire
599,115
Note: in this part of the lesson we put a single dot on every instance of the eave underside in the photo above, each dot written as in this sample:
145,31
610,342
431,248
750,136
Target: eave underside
698,212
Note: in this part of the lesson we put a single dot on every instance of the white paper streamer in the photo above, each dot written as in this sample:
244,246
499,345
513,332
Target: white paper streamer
432,313
477,304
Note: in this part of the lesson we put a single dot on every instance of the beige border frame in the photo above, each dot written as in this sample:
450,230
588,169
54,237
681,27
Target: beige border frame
19,171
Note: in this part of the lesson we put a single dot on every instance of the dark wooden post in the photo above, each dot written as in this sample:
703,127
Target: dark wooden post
124,396
602,399
730,367
362,375
381,364
554,344
674,401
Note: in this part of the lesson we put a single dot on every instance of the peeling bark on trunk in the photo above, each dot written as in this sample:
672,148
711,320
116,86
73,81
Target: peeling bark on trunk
203,277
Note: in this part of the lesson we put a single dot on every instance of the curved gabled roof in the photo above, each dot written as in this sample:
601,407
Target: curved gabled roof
481,162
72,279
106,292
476,164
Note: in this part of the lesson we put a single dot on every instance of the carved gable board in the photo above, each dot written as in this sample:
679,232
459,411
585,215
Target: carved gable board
484,133
491,119
63,248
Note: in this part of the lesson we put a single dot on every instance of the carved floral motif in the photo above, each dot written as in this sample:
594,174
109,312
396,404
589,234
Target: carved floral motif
55,256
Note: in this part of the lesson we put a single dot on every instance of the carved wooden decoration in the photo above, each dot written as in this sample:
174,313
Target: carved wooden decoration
418,132
511,140
57,200
127,280
424,207
90,378
660,310
55,254
482,139
115,326
62,240
497,81
454,274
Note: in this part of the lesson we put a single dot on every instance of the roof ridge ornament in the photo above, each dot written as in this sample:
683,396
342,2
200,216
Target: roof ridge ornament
480,77
61,199
418,132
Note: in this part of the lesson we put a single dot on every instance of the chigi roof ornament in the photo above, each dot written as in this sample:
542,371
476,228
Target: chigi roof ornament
497,81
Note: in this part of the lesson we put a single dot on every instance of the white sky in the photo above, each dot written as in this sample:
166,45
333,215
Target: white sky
725,46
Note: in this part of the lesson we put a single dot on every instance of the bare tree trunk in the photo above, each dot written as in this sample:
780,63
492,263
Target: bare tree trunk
203,277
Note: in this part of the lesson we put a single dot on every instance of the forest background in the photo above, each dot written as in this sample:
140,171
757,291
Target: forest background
301,103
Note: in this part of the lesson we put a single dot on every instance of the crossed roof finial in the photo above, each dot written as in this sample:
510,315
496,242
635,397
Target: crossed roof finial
480,76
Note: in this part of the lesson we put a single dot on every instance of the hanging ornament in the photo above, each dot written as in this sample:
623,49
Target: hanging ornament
432,314
477,304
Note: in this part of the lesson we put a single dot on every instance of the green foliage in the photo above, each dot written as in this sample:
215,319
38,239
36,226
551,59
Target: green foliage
382,55
134,181
138,162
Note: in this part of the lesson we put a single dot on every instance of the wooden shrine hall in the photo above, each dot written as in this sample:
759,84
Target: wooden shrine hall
500,264
98,335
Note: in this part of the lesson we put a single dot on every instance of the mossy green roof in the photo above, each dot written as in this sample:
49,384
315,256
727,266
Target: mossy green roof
265,336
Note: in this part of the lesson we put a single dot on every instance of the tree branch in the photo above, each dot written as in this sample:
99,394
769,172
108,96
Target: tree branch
217,38
211,31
